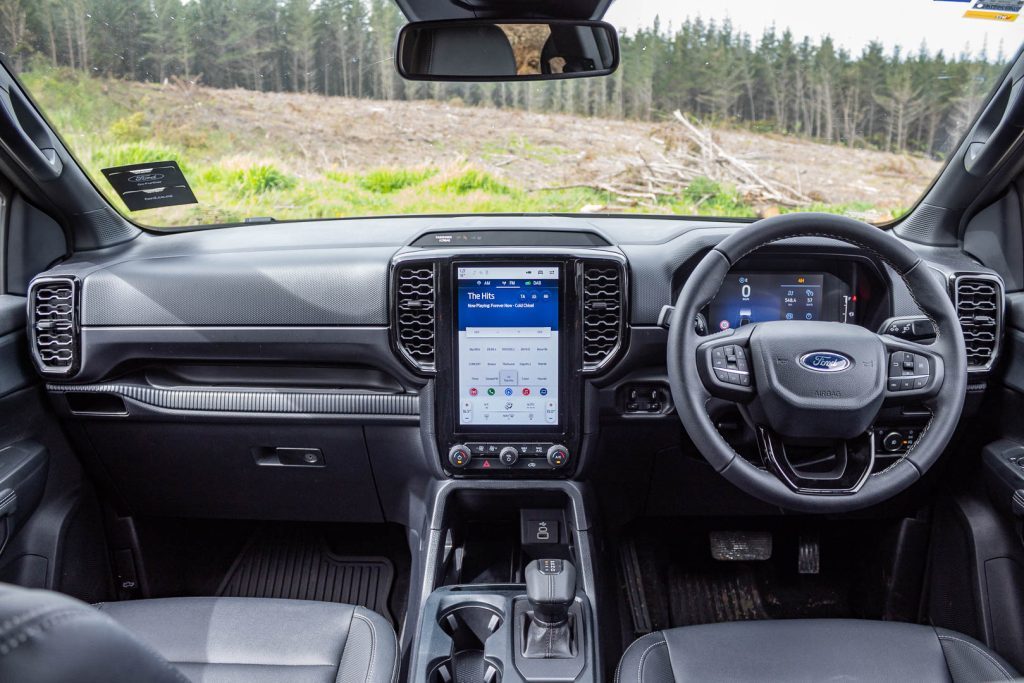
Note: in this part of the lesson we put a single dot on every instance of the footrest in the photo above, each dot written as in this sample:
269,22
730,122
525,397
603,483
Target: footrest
741,546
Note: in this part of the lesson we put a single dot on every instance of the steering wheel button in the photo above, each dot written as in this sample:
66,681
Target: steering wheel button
718,362
722,375
919,382
894,385
906,384
745,380
921,365
718,353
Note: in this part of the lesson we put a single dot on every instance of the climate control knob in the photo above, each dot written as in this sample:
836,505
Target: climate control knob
558,456
508,456
459,456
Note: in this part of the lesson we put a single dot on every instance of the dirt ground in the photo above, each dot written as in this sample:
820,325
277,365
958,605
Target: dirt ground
312,133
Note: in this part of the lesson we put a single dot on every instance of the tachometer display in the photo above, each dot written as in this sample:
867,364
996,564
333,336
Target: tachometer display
761,297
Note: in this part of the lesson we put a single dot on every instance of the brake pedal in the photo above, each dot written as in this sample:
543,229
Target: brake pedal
741,546
808,559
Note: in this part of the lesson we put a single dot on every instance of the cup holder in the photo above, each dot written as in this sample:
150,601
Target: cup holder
469,627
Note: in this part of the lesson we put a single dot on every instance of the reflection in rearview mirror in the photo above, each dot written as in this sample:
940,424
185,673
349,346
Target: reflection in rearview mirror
476,50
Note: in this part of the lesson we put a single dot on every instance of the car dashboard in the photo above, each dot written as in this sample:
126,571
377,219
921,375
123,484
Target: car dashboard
297,361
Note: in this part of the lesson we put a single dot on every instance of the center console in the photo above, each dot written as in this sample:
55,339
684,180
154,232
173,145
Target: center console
509,587
514,333
508,336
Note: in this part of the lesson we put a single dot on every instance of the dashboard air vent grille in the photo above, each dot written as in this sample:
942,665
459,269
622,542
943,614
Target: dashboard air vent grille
603,311
979,304
53,327
415,304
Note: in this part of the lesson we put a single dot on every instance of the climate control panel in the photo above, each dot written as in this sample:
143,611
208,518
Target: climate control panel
481,457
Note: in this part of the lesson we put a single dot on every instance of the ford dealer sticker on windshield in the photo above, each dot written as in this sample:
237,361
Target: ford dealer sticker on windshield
150,186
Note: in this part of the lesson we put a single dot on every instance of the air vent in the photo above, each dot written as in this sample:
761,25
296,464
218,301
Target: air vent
414,313
603,313
53,325
979,305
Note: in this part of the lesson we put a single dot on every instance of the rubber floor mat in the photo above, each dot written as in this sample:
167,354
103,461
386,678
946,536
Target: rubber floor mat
708,598
302,567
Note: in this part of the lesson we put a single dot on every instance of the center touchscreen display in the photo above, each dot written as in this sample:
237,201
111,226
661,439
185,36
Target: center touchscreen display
507,318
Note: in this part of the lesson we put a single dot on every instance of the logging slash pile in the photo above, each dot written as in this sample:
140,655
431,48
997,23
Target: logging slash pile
690,152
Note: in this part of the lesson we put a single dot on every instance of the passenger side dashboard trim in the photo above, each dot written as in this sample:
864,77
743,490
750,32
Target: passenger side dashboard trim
255,401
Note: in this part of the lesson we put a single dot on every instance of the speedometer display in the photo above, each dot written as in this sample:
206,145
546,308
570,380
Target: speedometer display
761,297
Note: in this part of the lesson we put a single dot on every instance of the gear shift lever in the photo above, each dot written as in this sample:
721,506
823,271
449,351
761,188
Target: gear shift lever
551,591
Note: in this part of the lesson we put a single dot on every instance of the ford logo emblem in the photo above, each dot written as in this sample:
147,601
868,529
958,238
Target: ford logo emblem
825,361
146,177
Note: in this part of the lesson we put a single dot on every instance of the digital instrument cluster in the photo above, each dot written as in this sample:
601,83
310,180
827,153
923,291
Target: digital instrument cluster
755,297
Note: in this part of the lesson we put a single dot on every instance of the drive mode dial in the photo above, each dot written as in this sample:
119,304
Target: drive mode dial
459,456
508,456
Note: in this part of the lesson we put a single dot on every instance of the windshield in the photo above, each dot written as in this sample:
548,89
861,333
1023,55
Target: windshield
293,109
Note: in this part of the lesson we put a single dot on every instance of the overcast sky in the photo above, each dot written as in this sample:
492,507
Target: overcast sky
851,24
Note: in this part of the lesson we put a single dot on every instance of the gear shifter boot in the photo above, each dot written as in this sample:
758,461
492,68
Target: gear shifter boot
548,642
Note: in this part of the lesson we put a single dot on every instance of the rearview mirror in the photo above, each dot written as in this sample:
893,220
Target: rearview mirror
513,50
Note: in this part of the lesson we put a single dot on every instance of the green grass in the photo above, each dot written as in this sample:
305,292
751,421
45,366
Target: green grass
261,178
134,153
388,180
234,175
473,180
705,197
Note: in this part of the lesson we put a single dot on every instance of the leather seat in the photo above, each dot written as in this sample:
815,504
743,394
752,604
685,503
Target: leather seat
810,650
48,637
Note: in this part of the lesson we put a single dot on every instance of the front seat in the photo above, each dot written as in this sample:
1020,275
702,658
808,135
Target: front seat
47,637
810,650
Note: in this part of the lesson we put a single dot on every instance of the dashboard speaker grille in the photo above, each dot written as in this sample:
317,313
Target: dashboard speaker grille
979,305
603,313
54,326
415,306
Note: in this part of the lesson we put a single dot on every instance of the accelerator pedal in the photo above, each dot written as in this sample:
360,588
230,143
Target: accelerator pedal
809,557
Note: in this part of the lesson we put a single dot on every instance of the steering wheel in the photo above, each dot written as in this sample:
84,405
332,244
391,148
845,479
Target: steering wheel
811,389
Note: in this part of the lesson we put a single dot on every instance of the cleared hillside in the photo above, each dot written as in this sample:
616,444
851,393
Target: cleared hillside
296,155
